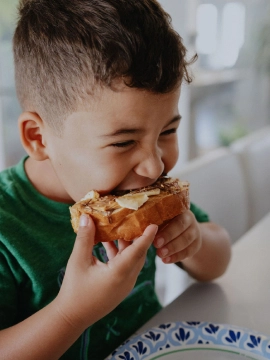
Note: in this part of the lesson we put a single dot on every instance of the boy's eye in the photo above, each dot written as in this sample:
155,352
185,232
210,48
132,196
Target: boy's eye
168,132
132,142
124,143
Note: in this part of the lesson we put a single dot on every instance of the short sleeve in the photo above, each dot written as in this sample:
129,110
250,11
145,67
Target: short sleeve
199,214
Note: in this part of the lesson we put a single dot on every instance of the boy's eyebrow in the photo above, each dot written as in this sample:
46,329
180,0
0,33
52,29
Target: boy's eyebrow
122,131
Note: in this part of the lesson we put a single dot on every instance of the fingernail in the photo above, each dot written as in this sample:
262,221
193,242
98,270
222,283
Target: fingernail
156,228
167,260
164,252
84,220
160,242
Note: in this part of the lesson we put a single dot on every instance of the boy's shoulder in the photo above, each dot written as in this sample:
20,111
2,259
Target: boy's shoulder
10,179
27,218
19,197
7,182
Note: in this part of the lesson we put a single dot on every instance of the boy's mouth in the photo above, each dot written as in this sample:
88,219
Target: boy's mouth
120,192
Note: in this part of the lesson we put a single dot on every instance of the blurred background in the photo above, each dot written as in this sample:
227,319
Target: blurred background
229,96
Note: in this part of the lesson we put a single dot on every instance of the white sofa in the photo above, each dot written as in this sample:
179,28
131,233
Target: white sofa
233,186
217,185
254,155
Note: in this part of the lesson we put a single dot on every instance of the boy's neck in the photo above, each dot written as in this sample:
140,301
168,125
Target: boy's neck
42,176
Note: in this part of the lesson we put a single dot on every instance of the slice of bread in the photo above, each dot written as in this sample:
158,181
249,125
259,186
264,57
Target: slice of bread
126,216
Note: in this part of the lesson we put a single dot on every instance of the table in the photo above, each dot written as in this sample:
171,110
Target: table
240,297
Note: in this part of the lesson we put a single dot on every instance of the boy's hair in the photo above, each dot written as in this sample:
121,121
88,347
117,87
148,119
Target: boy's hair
63,49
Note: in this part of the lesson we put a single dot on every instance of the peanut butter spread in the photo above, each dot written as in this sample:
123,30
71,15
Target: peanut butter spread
132,199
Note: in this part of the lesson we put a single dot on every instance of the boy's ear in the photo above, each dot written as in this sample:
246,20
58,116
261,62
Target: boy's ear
32,135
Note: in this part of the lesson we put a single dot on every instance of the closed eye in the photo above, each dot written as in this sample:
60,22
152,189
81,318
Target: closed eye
124,144
168,132
132,142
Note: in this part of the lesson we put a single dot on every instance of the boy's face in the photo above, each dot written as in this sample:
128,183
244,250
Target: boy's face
124,140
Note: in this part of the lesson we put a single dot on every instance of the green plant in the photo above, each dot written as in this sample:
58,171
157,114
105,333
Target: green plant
227,136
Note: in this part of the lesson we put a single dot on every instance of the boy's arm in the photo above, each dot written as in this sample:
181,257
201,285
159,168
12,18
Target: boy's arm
204,249
212,259
90,290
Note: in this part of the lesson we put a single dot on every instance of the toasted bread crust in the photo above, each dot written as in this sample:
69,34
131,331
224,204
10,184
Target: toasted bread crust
128,224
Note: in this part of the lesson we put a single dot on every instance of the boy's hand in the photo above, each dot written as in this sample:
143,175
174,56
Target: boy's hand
179,239
91,289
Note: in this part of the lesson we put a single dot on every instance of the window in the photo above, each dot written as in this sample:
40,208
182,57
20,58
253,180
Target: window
206,24
220,33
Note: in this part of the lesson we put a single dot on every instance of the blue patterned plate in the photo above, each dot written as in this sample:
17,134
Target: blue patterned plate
195,341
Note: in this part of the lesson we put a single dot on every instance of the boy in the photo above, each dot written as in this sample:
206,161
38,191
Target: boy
99,84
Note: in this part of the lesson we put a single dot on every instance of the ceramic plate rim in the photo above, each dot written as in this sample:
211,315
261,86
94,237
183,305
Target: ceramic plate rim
159,340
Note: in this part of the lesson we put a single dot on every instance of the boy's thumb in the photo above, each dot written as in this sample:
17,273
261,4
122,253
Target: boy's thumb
85,239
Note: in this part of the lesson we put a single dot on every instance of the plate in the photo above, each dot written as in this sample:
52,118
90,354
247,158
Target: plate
195,341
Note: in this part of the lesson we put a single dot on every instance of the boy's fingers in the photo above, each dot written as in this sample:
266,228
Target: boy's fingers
84,243
122,244
111,249
143,242
133,254
150,230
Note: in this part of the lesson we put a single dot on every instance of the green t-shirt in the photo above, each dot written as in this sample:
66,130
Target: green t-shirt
36,240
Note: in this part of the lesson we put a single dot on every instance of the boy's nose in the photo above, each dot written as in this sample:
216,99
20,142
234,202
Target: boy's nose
150,165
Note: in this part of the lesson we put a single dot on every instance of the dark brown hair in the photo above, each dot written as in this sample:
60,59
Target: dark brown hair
64,48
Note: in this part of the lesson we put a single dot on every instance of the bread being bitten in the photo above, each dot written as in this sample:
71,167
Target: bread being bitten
126,216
